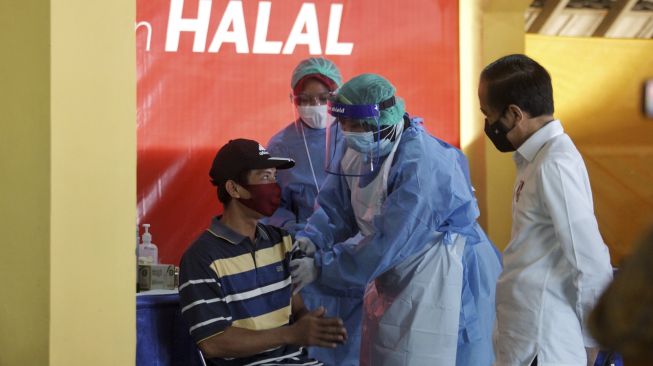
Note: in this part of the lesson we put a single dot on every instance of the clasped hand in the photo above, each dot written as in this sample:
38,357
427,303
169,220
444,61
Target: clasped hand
314,329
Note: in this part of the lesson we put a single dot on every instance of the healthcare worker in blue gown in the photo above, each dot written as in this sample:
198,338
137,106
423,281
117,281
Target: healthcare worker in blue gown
303,140
398,212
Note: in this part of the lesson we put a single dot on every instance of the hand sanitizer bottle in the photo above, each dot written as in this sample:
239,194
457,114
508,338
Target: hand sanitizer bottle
147,251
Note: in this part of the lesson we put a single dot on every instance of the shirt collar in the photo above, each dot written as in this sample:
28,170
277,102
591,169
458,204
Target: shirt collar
533,144
222,231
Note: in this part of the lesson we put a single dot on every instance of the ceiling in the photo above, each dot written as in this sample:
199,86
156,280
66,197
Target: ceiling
591,18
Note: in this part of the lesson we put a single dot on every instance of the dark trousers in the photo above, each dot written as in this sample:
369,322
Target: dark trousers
534,363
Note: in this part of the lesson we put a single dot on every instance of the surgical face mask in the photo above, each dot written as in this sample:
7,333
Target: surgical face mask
265,199
315,116
497,133
363,142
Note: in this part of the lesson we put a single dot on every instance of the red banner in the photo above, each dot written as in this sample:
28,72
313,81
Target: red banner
213,70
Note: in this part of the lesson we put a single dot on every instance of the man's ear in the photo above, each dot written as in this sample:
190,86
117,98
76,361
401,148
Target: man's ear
232,188
515,114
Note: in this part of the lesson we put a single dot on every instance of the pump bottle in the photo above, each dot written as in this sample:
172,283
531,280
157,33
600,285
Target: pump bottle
147,251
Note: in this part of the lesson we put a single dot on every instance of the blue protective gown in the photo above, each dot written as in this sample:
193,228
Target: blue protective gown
298,190
428,190
298,194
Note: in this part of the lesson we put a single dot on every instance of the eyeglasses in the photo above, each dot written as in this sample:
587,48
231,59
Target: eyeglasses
307,99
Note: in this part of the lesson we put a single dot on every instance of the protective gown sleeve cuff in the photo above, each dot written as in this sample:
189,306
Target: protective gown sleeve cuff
327,258
327,263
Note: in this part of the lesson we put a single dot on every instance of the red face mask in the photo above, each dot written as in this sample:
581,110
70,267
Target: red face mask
265,199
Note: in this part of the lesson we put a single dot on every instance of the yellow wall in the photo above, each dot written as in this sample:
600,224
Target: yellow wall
93,183
597,86
488,30
68,157
24,186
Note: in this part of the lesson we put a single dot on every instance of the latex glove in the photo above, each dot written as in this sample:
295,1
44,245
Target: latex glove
303,272
306,246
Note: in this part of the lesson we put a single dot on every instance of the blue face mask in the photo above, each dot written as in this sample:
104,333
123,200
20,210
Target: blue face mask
363,142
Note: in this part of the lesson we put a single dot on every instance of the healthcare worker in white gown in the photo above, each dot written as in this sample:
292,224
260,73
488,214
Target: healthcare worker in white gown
398,213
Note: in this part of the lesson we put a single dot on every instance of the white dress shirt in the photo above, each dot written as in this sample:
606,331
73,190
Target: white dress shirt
556,264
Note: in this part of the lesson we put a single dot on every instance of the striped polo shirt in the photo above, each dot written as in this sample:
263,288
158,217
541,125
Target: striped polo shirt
226,280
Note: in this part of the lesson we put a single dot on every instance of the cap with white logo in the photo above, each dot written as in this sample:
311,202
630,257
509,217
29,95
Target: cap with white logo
241,155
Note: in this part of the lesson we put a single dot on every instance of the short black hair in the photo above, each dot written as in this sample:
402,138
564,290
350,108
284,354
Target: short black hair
517,79
223,195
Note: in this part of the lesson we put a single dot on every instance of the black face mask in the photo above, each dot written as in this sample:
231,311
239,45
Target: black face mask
497,132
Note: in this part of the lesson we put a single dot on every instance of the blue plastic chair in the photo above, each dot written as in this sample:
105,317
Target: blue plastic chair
609,358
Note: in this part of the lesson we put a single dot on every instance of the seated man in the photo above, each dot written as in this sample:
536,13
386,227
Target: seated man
235,285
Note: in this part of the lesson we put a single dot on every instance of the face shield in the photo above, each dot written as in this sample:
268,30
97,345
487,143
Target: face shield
354,145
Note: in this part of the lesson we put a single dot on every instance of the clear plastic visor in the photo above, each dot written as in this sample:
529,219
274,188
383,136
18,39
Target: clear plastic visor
352,146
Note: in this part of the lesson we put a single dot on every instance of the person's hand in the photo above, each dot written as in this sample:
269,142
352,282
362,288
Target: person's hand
303,272
305,245
592,354
314,329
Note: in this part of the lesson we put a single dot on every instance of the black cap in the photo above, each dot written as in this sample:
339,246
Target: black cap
241,155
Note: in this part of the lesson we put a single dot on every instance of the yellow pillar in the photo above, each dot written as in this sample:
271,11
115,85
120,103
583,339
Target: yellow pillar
68,157
25,182
488,30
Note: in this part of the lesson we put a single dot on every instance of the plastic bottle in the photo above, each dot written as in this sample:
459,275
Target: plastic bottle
147,251
137,252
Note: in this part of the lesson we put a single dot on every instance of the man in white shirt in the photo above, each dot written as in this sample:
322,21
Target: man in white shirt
556,264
